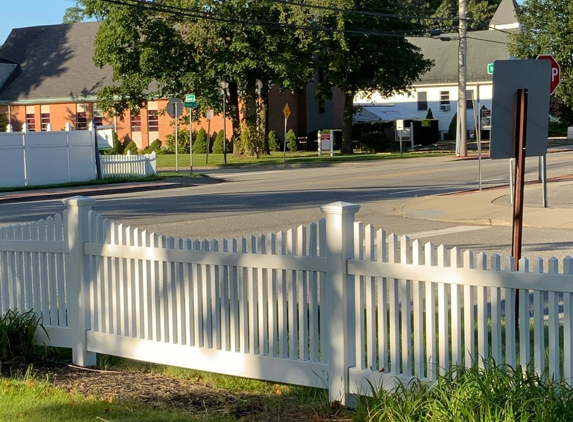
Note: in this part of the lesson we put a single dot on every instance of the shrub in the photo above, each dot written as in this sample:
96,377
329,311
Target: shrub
218,144
430,115
451,135
3,122
291,141
117,148
375,141
274,142
131,148
248,140
17,335
155,146
200,142
182,139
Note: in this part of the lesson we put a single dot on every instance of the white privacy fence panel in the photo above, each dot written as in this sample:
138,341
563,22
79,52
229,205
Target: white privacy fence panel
335,304
421,309
129,165
39,158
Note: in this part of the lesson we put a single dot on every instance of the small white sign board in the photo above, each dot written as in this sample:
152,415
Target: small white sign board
104,137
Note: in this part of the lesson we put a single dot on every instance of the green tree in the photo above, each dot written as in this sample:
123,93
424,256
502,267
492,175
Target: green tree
200,142
479,13
274,142
429,115
291,141
78,13
218,144
131,148
546,29
176,45
366,54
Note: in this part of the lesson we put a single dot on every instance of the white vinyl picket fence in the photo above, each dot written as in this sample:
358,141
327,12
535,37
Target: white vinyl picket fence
335,304
128,165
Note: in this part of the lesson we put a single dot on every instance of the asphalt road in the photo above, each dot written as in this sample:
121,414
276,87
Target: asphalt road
251,201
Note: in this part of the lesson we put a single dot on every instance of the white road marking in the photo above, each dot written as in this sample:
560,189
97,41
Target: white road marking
407,191
451,230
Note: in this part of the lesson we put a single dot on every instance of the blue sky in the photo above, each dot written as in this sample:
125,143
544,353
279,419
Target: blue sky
22,13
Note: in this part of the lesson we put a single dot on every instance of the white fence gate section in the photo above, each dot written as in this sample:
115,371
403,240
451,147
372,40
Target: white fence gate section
128,165
335,304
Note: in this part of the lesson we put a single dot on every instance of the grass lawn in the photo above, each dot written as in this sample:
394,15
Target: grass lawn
277,158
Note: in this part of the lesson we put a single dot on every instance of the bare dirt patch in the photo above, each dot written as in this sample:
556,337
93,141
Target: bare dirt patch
168,392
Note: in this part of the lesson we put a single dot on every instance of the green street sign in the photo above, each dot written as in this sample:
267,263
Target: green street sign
490,69
190,101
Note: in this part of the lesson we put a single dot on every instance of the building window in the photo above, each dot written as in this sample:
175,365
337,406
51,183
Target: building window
469,100
422,101
98,116
153,120
445,100
45,121
136,123
81,120
31,122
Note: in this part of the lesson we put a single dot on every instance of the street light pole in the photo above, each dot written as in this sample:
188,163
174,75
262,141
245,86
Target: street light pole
462,74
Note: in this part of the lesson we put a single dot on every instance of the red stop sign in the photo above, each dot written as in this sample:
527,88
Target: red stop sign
555,71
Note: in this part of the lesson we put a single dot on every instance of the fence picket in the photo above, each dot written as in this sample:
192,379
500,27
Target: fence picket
216,281
524,329
496,314
538,323
313,296
510,323
553,321
252,301
303,297
225,302
235,321
370,254
482,323
393,298
359,306
406,309
272,299
417,305
262,308
431,353
244,302
207,300
443,322
469,319
568,323
456,307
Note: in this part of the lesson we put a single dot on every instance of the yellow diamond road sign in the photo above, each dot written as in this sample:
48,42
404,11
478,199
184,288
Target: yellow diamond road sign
286,111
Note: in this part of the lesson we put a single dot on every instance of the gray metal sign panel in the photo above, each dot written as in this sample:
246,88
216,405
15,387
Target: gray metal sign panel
509,76
175,107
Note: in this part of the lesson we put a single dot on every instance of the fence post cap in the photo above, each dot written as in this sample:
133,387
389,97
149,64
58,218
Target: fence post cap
79,201
340,207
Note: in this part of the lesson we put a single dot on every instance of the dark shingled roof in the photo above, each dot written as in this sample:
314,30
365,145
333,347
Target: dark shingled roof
484,47
56,64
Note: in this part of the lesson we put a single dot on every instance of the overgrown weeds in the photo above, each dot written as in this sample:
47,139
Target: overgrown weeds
17,331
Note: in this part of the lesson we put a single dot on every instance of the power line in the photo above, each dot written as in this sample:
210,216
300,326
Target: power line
257,22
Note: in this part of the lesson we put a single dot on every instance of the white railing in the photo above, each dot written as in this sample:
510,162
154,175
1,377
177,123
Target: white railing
128,165
335,304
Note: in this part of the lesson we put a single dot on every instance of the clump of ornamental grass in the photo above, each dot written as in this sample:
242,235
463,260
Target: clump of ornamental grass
484,393
17,331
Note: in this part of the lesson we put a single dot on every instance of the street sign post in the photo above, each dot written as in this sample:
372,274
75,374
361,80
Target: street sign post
555,71
190,101
175,109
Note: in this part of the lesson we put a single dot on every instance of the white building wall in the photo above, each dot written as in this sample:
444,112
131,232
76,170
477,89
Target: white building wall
408,103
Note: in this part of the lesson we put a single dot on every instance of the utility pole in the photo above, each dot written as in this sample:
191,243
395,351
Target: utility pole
462,72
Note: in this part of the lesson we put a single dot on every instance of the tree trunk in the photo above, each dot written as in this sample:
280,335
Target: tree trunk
264,122
346,147
234,115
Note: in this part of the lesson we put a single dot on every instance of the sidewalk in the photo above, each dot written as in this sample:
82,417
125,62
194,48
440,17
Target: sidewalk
95,190
492,206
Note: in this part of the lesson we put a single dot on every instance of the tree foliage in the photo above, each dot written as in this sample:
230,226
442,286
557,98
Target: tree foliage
546,29
78,13
218,143
200,142
291,141
366,54
3,122
479,14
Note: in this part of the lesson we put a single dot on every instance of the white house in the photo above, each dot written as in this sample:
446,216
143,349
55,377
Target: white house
438,89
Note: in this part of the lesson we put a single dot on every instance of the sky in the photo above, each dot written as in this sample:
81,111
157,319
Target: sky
22,13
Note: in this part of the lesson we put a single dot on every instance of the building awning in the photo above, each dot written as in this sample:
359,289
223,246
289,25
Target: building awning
382,114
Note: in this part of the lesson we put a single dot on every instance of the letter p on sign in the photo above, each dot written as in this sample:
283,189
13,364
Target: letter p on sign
555,71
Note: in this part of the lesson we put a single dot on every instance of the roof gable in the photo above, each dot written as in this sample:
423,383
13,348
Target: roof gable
56,64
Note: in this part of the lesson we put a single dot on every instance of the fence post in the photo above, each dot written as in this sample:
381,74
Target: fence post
79,312
337,300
